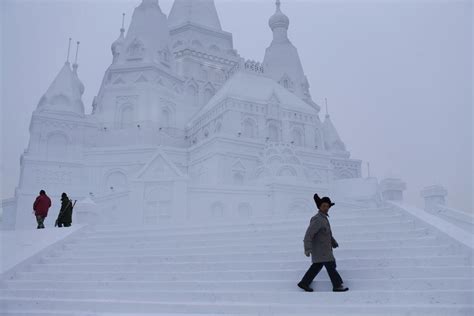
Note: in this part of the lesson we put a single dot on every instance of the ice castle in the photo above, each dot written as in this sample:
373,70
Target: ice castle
184,128
194,175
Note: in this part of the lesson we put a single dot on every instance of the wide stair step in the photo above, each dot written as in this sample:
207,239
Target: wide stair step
392,263
154,307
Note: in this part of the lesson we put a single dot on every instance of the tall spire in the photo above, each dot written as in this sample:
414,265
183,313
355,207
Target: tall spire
148,35
198,12
75,65
118,43
65,92
279,22
68,51
80,85
332,140
326,102
122,29
282,62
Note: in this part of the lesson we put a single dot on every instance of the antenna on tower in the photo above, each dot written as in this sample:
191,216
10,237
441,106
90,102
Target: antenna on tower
77,53
368,169
278,4
123,22
68,50
326,101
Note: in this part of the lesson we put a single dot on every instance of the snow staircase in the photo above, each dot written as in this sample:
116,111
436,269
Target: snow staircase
392,263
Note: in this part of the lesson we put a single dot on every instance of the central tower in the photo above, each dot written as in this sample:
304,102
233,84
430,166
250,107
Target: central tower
204,53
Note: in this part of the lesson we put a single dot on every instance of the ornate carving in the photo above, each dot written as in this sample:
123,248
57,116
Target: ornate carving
136,49
48,176
126,99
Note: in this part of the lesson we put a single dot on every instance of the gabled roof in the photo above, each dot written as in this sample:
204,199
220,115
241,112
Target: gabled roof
199,12
158,168
64,93
248,86
331,136
147,35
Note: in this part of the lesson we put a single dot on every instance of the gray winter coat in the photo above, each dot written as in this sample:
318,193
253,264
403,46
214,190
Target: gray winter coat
318,239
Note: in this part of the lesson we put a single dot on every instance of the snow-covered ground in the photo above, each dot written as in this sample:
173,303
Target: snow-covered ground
393,262
19,245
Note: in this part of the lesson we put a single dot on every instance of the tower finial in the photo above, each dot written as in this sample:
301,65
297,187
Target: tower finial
123,23
278,19
77,51
68,51
75,65
119,41
326,101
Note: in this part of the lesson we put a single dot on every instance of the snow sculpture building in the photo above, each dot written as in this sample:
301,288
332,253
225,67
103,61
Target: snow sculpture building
183,128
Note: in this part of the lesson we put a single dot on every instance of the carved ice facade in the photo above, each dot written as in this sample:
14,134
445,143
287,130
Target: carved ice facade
183,128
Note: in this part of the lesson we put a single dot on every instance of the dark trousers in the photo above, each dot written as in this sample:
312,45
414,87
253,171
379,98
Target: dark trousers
313,271
40,221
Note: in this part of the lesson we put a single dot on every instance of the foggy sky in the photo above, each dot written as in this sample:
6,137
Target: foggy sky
397,75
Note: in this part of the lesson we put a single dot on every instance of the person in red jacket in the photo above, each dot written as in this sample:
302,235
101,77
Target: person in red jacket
41,207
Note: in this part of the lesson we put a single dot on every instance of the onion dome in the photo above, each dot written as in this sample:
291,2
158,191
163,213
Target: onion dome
279,19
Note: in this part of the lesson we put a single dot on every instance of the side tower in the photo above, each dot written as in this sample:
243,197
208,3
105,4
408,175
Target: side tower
282,62
204,52
140,95
53,159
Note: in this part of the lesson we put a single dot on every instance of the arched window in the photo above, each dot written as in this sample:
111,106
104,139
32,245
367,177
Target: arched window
177,44
135,49
214,48
238,178
286,82
191,90
116,181
208,93
60,101
249,128
297,137
287,171
158,205
204,74
244,210
217,210
57,144
126,117
196,43
165,118
317,140
273,133
192,94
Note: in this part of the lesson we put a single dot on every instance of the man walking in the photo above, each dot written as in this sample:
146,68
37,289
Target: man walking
65,214
41,207
318,242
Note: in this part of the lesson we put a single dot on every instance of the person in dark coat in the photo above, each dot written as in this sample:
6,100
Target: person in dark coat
318,242
65,214
41,207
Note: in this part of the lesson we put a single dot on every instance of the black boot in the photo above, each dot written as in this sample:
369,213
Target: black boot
305,287
340,288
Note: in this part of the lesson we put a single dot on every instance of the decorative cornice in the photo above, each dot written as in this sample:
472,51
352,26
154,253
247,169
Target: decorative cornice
188,25
204,55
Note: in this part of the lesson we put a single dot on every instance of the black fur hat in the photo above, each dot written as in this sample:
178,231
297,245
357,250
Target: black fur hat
319,200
